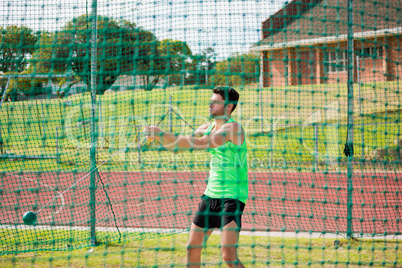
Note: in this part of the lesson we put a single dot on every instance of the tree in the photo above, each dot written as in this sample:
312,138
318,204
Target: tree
174,58
208,54
17,45
33,85
122,48
201,66
239,69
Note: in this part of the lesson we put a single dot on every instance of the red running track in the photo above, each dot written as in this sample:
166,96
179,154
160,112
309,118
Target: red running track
277,200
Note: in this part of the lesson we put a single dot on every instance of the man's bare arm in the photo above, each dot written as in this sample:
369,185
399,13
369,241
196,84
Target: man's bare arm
228,132
201,130
173,146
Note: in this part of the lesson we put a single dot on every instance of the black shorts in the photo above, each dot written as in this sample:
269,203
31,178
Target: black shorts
216,213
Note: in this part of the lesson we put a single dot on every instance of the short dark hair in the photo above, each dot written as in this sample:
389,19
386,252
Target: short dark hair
229,95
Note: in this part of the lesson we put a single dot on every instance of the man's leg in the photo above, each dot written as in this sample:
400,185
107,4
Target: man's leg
229,239
197,239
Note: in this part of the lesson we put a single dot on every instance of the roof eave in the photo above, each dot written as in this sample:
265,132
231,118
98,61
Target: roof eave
326,40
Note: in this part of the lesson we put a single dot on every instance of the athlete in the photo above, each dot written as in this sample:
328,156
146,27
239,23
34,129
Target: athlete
224,199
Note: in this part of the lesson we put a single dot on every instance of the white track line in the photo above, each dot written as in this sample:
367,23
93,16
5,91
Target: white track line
48,186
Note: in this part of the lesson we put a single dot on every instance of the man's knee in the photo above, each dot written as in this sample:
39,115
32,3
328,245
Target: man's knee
193,249
229,254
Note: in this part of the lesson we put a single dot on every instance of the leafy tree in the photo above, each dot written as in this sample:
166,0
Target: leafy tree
32,85
239,69
198,66
3,82
209,54
17,45
174,56
122,48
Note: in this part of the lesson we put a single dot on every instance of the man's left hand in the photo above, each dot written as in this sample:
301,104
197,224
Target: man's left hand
152,132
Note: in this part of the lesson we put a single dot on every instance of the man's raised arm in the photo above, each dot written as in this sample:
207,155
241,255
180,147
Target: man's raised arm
171,141
176,143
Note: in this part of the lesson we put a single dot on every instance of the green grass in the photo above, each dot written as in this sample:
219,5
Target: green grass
254,251
29,127
28,240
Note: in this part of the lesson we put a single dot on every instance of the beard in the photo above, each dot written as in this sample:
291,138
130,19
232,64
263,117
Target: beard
217,114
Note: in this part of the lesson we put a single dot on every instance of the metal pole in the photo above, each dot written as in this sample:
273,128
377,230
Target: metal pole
57,145
5,91
1,102
272,143
1,142
92,187
260,77
183,72
358,84
139,144
170,113
43,126
206,70
362,128
349,144
261,118
360,103
101,134
316,147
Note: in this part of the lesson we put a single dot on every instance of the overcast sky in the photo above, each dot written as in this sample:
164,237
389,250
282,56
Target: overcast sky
227,26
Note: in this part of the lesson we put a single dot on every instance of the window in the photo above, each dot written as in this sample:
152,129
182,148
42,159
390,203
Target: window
335,61
370,52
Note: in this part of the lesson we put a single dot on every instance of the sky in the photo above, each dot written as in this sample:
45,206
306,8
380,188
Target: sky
227,26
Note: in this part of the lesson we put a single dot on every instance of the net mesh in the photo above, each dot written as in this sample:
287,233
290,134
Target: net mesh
80,80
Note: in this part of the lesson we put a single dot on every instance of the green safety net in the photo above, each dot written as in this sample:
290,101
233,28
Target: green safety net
317,79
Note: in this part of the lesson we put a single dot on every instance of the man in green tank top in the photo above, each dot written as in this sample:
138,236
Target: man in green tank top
226,194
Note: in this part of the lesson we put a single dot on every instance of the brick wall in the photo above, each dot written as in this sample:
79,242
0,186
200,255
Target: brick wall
394,58
306,65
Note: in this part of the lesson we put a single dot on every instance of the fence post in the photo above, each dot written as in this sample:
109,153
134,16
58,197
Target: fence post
170,113
350,128
272,142
101,140
92,187
1,102
5,91
1,142
57,145
139,144
43,126
362,129
358,84
316,146
360,103
261,118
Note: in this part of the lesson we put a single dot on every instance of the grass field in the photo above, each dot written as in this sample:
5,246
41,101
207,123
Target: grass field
287,133
254,251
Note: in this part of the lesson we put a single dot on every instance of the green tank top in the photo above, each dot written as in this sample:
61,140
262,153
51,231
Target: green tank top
228,176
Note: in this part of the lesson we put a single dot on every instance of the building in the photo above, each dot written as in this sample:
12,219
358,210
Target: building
306,42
